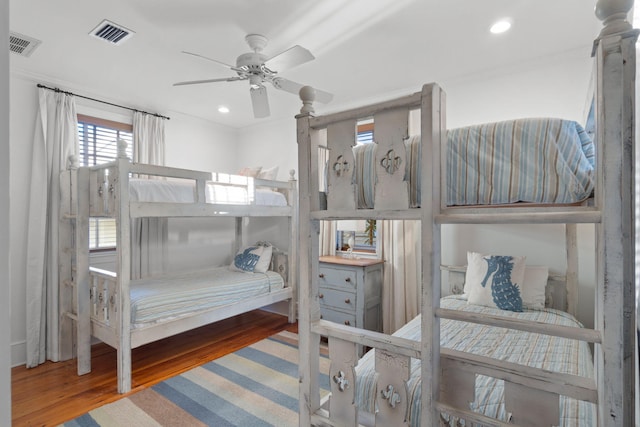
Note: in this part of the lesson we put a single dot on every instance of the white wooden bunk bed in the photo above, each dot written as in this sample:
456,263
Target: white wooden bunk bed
428,374
126,313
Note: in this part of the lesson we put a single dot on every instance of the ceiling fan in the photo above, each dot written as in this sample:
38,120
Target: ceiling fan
258,69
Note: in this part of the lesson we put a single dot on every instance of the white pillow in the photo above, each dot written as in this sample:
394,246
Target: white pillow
535,283
252,259
252,172
495,281
270,173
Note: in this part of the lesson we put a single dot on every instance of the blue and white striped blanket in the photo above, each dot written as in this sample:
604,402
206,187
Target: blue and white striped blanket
536,350
525,160
184,293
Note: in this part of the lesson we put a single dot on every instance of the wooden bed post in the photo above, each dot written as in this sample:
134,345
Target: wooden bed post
571,243
433,141
309,400
292,267
615,366
83,324
123,263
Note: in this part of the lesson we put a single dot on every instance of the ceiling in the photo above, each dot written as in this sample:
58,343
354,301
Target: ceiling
364,49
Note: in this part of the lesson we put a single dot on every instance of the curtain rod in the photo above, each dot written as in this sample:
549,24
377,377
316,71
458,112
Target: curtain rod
99,100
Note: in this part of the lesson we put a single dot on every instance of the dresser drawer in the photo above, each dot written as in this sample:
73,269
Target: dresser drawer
339,317
337,277
338,299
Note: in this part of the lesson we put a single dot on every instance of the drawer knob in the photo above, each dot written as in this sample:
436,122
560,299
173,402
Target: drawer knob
347,301
348,279
321,275
346,322
320,295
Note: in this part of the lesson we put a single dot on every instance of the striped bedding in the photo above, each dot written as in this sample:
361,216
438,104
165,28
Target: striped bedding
176,295
525,160
541,351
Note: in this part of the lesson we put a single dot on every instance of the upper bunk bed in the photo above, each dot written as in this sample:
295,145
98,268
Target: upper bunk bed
527,170
126,311
333,183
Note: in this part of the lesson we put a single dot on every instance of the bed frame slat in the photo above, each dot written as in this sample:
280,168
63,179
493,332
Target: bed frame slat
530,407
341,138
344,356
391,129
392,401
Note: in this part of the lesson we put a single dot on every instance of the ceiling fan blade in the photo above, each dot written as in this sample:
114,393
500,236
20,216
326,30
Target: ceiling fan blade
260,102
293,87
196,82
210,59
290,58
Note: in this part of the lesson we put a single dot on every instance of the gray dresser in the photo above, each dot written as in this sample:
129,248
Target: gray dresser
350,291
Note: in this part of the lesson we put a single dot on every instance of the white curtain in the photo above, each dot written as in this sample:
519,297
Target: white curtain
328,230
148,139
400,243
55,139
149,235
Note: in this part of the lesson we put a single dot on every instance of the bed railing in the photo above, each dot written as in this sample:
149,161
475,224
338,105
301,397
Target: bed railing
109,179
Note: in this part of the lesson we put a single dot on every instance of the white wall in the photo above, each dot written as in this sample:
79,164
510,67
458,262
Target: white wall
270,144
190,143
5,303
553,87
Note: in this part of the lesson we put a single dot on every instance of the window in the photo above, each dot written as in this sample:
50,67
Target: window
364,133
99,144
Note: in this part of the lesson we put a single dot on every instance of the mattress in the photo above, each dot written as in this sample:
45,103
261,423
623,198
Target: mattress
536,350
154,300
149,190
525,160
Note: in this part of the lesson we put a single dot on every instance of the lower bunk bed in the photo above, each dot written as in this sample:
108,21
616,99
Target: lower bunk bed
554,354
177,302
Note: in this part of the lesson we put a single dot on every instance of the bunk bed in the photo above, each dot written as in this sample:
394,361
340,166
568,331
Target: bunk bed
125,311
442,387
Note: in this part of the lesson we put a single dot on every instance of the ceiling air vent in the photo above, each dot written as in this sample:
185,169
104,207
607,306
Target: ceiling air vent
112,33
22,45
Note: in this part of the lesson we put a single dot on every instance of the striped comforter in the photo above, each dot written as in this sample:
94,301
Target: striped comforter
524,160
176,295
540,351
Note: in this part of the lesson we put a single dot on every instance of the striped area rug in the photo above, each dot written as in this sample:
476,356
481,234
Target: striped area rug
255,386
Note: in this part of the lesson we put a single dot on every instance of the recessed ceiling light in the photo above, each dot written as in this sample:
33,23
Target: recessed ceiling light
500,26
222,109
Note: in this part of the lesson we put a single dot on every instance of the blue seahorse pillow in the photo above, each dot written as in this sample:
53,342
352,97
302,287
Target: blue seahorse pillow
253,259
495,281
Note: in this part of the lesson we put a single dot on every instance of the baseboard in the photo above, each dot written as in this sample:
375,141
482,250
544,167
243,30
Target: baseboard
18,354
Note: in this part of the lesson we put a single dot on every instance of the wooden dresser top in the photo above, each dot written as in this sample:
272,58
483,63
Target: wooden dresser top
357,262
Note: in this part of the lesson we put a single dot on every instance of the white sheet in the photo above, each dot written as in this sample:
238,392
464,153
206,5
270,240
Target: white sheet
148,190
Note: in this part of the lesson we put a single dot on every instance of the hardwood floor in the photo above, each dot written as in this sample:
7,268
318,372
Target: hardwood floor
52,393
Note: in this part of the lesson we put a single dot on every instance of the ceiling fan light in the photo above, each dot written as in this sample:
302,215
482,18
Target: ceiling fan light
500,26
255,81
